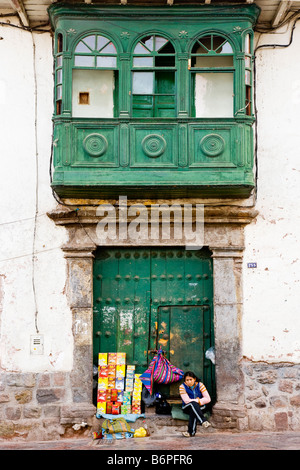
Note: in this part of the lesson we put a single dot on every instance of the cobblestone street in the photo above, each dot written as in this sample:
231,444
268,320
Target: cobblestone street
209,441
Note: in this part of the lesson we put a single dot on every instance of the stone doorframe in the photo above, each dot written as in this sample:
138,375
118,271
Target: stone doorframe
224,236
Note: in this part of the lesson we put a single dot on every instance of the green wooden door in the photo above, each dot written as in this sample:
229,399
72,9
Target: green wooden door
149,298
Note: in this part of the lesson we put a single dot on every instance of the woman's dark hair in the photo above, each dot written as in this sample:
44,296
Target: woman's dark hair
189,373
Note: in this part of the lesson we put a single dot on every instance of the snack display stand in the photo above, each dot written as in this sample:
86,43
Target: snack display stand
119,388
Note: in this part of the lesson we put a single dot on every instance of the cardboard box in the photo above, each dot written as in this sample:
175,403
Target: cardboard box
111,370
112,359
102,359
103,372
101,396
121,358
102,383
120,383
125,409
111,382
126,398
129,385
120,396
136,411
101,406
136,396
120,370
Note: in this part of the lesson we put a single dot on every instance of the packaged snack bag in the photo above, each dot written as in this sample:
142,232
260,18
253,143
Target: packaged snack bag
115,409
108,407
114,394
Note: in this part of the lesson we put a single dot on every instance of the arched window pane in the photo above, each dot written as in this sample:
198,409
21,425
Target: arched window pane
226,49
212,44
109,49
140,49
90,41
205,44
159,42
101,42
81,47
148,41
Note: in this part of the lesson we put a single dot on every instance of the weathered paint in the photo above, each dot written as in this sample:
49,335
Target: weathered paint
164,309
270,319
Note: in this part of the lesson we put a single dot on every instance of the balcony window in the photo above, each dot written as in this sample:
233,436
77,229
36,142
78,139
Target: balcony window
59,73
153,78
94,78
212,74
248,75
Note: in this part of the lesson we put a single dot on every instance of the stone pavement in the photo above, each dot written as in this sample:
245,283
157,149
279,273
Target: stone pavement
173,443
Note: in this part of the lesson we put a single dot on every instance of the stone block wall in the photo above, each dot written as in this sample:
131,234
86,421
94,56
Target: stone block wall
39,406
272,396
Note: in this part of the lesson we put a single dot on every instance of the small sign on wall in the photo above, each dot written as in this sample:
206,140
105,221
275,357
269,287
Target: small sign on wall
251,265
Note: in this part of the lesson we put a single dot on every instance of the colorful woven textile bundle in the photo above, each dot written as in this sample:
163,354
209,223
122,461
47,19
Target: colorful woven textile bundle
160,370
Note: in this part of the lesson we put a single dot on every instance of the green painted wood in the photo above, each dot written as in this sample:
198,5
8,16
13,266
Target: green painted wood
149,298
213,156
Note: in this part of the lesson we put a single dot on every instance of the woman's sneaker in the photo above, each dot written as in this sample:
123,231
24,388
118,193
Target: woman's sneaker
206,424
186,434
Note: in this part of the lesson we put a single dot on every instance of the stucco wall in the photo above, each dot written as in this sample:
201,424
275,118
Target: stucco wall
271,291
271,321
26,85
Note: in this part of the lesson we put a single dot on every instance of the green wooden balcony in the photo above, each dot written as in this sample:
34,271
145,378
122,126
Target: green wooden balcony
153,102
143,159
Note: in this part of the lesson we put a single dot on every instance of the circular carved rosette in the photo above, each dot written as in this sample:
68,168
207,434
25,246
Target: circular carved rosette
95,145
154,145
212,145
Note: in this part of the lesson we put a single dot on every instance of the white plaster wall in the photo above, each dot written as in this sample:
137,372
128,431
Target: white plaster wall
25,143
271,321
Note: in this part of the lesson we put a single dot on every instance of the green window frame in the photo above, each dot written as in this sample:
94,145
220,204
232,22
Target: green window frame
95,77
212,68
248,73
153,93
59,74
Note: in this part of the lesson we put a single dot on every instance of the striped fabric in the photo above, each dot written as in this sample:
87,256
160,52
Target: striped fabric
112,426
160,370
